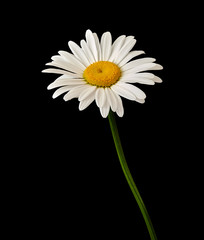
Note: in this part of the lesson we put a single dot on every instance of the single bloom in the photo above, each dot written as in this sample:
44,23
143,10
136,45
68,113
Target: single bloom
102,71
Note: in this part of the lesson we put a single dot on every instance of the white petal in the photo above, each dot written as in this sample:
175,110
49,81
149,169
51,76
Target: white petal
59,71
98,46
137,62
157,67
144,81
92,44
125,50
105,109
60,61
129,56
86,92
142,75
106,42
120,109
132,89
62,77
123,92
141,68
136,79
87,51
116,47
157,79
111,99
129,91
145,75
66,66
73,93
72,59
78,52
100,97
140,100
66,82
57,58
86,102
128,39
128,75
145,78
61,90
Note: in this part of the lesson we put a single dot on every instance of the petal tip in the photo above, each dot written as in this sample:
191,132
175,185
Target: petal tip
60,52
157,79
70,43
49,87
88,31
159,67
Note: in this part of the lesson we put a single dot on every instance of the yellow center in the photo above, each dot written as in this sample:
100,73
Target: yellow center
102,74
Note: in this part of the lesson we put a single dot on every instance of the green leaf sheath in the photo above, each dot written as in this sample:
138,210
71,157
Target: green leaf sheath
128,175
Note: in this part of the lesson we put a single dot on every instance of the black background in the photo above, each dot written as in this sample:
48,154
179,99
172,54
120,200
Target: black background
65,178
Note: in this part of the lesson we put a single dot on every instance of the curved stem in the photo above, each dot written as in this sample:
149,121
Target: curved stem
128,176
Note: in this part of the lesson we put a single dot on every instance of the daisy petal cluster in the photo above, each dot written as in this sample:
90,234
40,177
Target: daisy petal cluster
103,71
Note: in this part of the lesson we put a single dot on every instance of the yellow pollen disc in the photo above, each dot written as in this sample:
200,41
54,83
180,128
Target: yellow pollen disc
102,74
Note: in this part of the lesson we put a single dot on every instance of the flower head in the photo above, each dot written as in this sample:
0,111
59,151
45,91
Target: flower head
102,71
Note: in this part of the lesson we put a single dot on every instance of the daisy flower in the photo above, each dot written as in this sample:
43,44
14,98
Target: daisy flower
103,71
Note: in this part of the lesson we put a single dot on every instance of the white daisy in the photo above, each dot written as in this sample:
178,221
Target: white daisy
102,71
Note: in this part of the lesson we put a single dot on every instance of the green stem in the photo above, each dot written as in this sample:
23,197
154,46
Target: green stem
128,176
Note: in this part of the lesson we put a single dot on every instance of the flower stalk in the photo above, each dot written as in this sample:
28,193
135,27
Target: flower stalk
129,177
